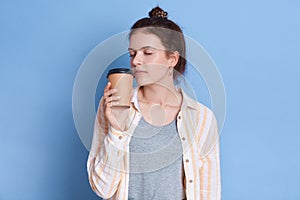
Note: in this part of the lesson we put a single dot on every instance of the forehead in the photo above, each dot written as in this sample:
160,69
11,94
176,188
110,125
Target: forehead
141,39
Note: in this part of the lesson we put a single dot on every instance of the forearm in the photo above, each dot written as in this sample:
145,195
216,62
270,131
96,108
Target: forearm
106,161
210,176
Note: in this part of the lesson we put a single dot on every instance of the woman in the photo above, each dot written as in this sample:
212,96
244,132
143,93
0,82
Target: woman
165,146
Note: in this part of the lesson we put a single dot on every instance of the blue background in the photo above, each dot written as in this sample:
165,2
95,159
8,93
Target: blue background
255,45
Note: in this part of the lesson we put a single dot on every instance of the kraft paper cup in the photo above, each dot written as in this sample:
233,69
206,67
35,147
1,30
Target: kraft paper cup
122,80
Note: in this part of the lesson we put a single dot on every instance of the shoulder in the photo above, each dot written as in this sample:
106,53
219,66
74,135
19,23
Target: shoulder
201,110
206,126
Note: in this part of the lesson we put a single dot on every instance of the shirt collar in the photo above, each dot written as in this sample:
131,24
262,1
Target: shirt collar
187,101
134,99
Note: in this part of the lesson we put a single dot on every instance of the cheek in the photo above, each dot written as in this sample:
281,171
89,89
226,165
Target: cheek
156,70
157,62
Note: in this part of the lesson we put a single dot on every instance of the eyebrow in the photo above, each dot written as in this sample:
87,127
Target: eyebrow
145,47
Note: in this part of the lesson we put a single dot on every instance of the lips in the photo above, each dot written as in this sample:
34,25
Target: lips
139,72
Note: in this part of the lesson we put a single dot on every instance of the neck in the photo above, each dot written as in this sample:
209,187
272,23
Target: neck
160,94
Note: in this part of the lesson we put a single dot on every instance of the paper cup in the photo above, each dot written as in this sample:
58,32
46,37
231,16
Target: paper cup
122,80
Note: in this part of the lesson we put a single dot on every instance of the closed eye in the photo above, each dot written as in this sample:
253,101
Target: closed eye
148,52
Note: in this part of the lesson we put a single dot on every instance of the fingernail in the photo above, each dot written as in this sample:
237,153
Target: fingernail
118,97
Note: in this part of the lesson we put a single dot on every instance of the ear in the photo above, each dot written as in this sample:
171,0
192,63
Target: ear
173,58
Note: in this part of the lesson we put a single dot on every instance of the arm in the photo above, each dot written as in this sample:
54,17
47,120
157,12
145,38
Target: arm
105,161
210,176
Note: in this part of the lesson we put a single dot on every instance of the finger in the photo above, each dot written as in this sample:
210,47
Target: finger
109,93
107,87
111,104
112,98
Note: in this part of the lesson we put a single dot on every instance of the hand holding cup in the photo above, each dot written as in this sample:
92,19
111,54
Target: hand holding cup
117,95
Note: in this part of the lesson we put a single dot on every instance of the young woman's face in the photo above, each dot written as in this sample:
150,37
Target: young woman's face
149,61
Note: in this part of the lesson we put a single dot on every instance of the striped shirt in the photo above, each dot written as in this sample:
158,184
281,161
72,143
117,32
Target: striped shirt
108,161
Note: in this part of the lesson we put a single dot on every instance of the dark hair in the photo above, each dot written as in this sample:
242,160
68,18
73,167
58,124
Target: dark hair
167,31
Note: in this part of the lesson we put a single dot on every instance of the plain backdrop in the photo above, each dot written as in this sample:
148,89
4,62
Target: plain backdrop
254,44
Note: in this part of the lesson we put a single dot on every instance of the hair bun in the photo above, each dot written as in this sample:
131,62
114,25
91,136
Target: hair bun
158,12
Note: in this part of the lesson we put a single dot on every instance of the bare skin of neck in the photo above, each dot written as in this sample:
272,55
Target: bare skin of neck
159,104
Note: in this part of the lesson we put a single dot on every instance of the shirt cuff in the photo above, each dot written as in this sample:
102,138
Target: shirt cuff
119,138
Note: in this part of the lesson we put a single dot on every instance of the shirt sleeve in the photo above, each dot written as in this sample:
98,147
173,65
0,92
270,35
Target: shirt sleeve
210,176
105,163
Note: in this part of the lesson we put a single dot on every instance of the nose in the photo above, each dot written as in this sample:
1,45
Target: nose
137,60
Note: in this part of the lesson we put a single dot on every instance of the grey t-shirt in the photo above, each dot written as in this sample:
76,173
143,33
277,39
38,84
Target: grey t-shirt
156,169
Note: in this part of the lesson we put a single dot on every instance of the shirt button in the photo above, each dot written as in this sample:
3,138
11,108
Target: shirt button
120,137
183,138
187,160
179,117
191,181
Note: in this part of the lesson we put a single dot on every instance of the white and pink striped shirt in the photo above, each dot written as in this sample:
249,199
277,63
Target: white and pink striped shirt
108,161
